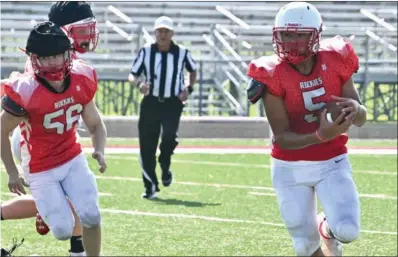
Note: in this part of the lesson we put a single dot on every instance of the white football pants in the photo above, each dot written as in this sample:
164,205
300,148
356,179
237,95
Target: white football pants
295,185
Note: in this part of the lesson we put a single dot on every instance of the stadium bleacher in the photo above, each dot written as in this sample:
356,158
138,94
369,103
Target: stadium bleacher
193,20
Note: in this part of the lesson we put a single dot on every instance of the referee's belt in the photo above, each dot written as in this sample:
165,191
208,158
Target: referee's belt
162,99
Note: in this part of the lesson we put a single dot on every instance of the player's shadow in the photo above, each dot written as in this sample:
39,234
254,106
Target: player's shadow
183,202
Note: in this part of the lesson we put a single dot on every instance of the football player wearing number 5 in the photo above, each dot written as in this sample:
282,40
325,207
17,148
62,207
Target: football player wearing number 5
309,157
50,102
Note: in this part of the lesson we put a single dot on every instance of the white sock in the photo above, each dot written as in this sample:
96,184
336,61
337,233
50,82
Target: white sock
78,254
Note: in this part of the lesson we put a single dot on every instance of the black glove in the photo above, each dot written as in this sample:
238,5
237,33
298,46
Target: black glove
255,90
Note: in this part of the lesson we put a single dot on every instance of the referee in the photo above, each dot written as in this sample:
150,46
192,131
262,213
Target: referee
158,72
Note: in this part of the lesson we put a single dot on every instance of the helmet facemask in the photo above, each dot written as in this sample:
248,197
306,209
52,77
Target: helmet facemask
302,44
55,71
84,34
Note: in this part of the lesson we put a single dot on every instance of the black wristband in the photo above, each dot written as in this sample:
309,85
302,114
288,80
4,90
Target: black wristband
190,89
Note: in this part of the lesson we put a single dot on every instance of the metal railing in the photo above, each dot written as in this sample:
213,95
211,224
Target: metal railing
227,67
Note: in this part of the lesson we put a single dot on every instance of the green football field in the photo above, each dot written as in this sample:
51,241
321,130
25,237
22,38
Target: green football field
217,205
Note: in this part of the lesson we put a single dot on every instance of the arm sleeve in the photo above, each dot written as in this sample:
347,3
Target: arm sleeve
138,63
190,63
255,90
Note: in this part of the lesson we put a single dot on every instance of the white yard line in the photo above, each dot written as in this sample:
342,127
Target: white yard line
375,196
378,196
261,194
216,219
130,150
376,172
243,165
188,183
230,164
189,216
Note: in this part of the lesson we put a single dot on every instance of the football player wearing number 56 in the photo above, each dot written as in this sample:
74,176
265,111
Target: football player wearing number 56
50,102
309,157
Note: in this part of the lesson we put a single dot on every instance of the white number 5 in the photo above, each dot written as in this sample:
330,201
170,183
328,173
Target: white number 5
70,119
309,104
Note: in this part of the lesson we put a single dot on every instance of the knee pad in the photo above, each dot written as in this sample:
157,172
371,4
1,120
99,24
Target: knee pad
306,246
347,231
91,216
62,230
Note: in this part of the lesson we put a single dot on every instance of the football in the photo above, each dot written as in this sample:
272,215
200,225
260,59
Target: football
333,111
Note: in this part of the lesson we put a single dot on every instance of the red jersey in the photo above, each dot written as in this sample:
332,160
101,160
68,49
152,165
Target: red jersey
304,95
49,130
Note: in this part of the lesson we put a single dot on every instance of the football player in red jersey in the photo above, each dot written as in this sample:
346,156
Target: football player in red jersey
49,104
309,157
78,21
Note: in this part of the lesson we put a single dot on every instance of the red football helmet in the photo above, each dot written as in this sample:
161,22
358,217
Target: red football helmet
84,34
297,31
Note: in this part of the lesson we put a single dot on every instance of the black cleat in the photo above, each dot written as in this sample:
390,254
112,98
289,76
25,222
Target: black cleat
167,175
149,195
167,178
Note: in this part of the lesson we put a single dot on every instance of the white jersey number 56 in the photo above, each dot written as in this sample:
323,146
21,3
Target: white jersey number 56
72,115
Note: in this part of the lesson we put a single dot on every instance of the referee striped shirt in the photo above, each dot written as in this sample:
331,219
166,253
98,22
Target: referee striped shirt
164,70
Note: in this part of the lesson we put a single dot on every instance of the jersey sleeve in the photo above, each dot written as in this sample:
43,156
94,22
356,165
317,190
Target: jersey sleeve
264,70
92,89
12,101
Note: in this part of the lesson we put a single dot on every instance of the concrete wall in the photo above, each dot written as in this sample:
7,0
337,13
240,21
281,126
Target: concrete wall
235,127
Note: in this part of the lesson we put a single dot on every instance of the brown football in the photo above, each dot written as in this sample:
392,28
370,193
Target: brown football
333,111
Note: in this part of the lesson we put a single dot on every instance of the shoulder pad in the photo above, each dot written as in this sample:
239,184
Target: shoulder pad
20,89
90,80
264,70
347,60
337,44
264,66
80,67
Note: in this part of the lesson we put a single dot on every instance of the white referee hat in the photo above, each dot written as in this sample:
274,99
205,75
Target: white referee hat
164,22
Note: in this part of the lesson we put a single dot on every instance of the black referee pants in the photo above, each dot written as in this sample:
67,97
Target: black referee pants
155,115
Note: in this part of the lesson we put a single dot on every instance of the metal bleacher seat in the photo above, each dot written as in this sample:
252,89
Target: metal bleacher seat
115,52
